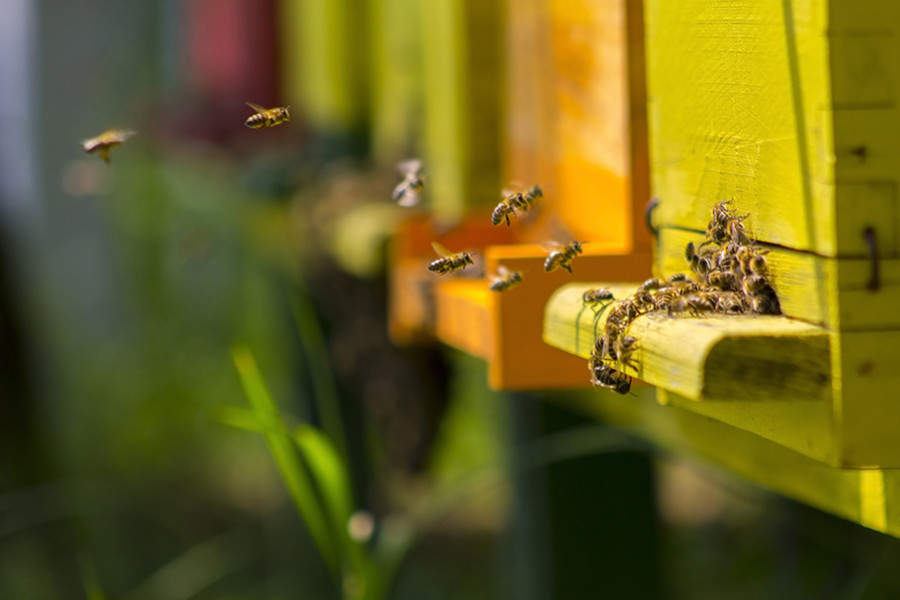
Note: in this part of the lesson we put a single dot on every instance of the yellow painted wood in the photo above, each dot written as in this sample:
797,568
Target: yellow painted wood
395,65
323,62
868,410
739,95
767,375
463,316
758,358
870,497
461,45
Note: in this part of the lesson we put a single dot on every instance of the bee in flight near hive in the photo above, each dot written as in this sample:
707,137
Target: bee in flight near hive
267,117
515,202
106,141
505,279
406,193
563,257
449,261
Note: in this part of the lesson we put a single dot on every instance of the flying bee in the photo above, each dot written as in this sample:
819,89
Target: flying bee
106,141
515,202
406,193
505,279
449,261
562,259
267,117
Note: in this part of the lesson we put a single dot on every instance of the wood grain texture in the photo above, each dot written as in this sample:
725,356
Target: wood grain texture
738,107
744,358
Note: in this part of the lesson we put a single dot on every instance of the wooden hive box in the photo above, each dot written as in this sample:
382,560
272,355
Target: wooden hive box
790,109
575,124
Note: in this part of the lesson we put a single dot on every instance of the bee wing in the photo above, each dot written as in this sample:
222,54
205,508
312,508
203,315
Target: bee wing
120,135
507,192
407,198
442,250
411,166
552,246
399,191
502,271
256,107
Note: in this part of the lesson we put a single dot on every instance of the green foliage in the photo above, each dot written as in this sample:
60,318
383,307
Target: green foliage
316,478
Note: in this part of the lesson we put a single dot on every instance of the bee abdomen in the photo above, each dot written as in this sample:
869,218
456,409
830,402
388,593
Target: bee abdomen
256,121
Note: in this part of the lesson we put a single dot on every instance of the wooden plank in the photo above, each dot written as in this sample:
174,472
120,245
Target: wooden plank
462,60
523,360
870,497
744,358
324,73
600,120
869,410
736,99
396,78
463,316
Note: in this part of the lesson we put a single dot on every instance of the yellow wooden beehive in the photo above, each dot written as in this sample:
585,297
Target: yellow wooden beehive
789,109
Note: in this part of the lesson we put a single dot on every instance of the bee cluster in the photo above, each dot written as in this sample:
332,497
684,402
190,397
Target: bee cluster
731,278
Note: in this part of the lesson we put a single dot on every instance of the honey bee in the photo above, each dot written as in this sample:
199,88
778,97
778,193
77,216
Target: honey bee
651,284
731,303
505,279
106,141
724,280
623,348
406,193
678,278
515,202
562,259
267,117
449,261
766,303
694,304
607,377
754,285
596,295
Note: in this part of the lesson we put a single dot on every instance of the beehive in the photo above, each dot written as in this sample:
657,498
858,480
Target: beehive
789,109
575,125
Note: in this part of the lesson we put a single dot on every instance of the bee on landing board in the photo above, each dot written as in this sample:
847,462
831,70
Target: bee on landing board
449,261
563,257
267,117
106,141
505,279
406,193
515,202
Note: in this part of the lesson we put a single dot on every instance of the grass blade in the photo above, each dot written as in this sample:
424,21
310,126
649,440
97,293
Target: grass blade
287,459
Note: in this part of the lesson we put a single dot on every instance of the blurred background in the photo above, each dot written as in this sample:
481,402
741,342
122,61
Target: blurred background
198,394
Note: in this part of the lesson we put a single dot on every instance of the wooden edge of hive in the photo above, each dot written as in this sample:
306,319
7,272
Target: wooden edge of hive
717,357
